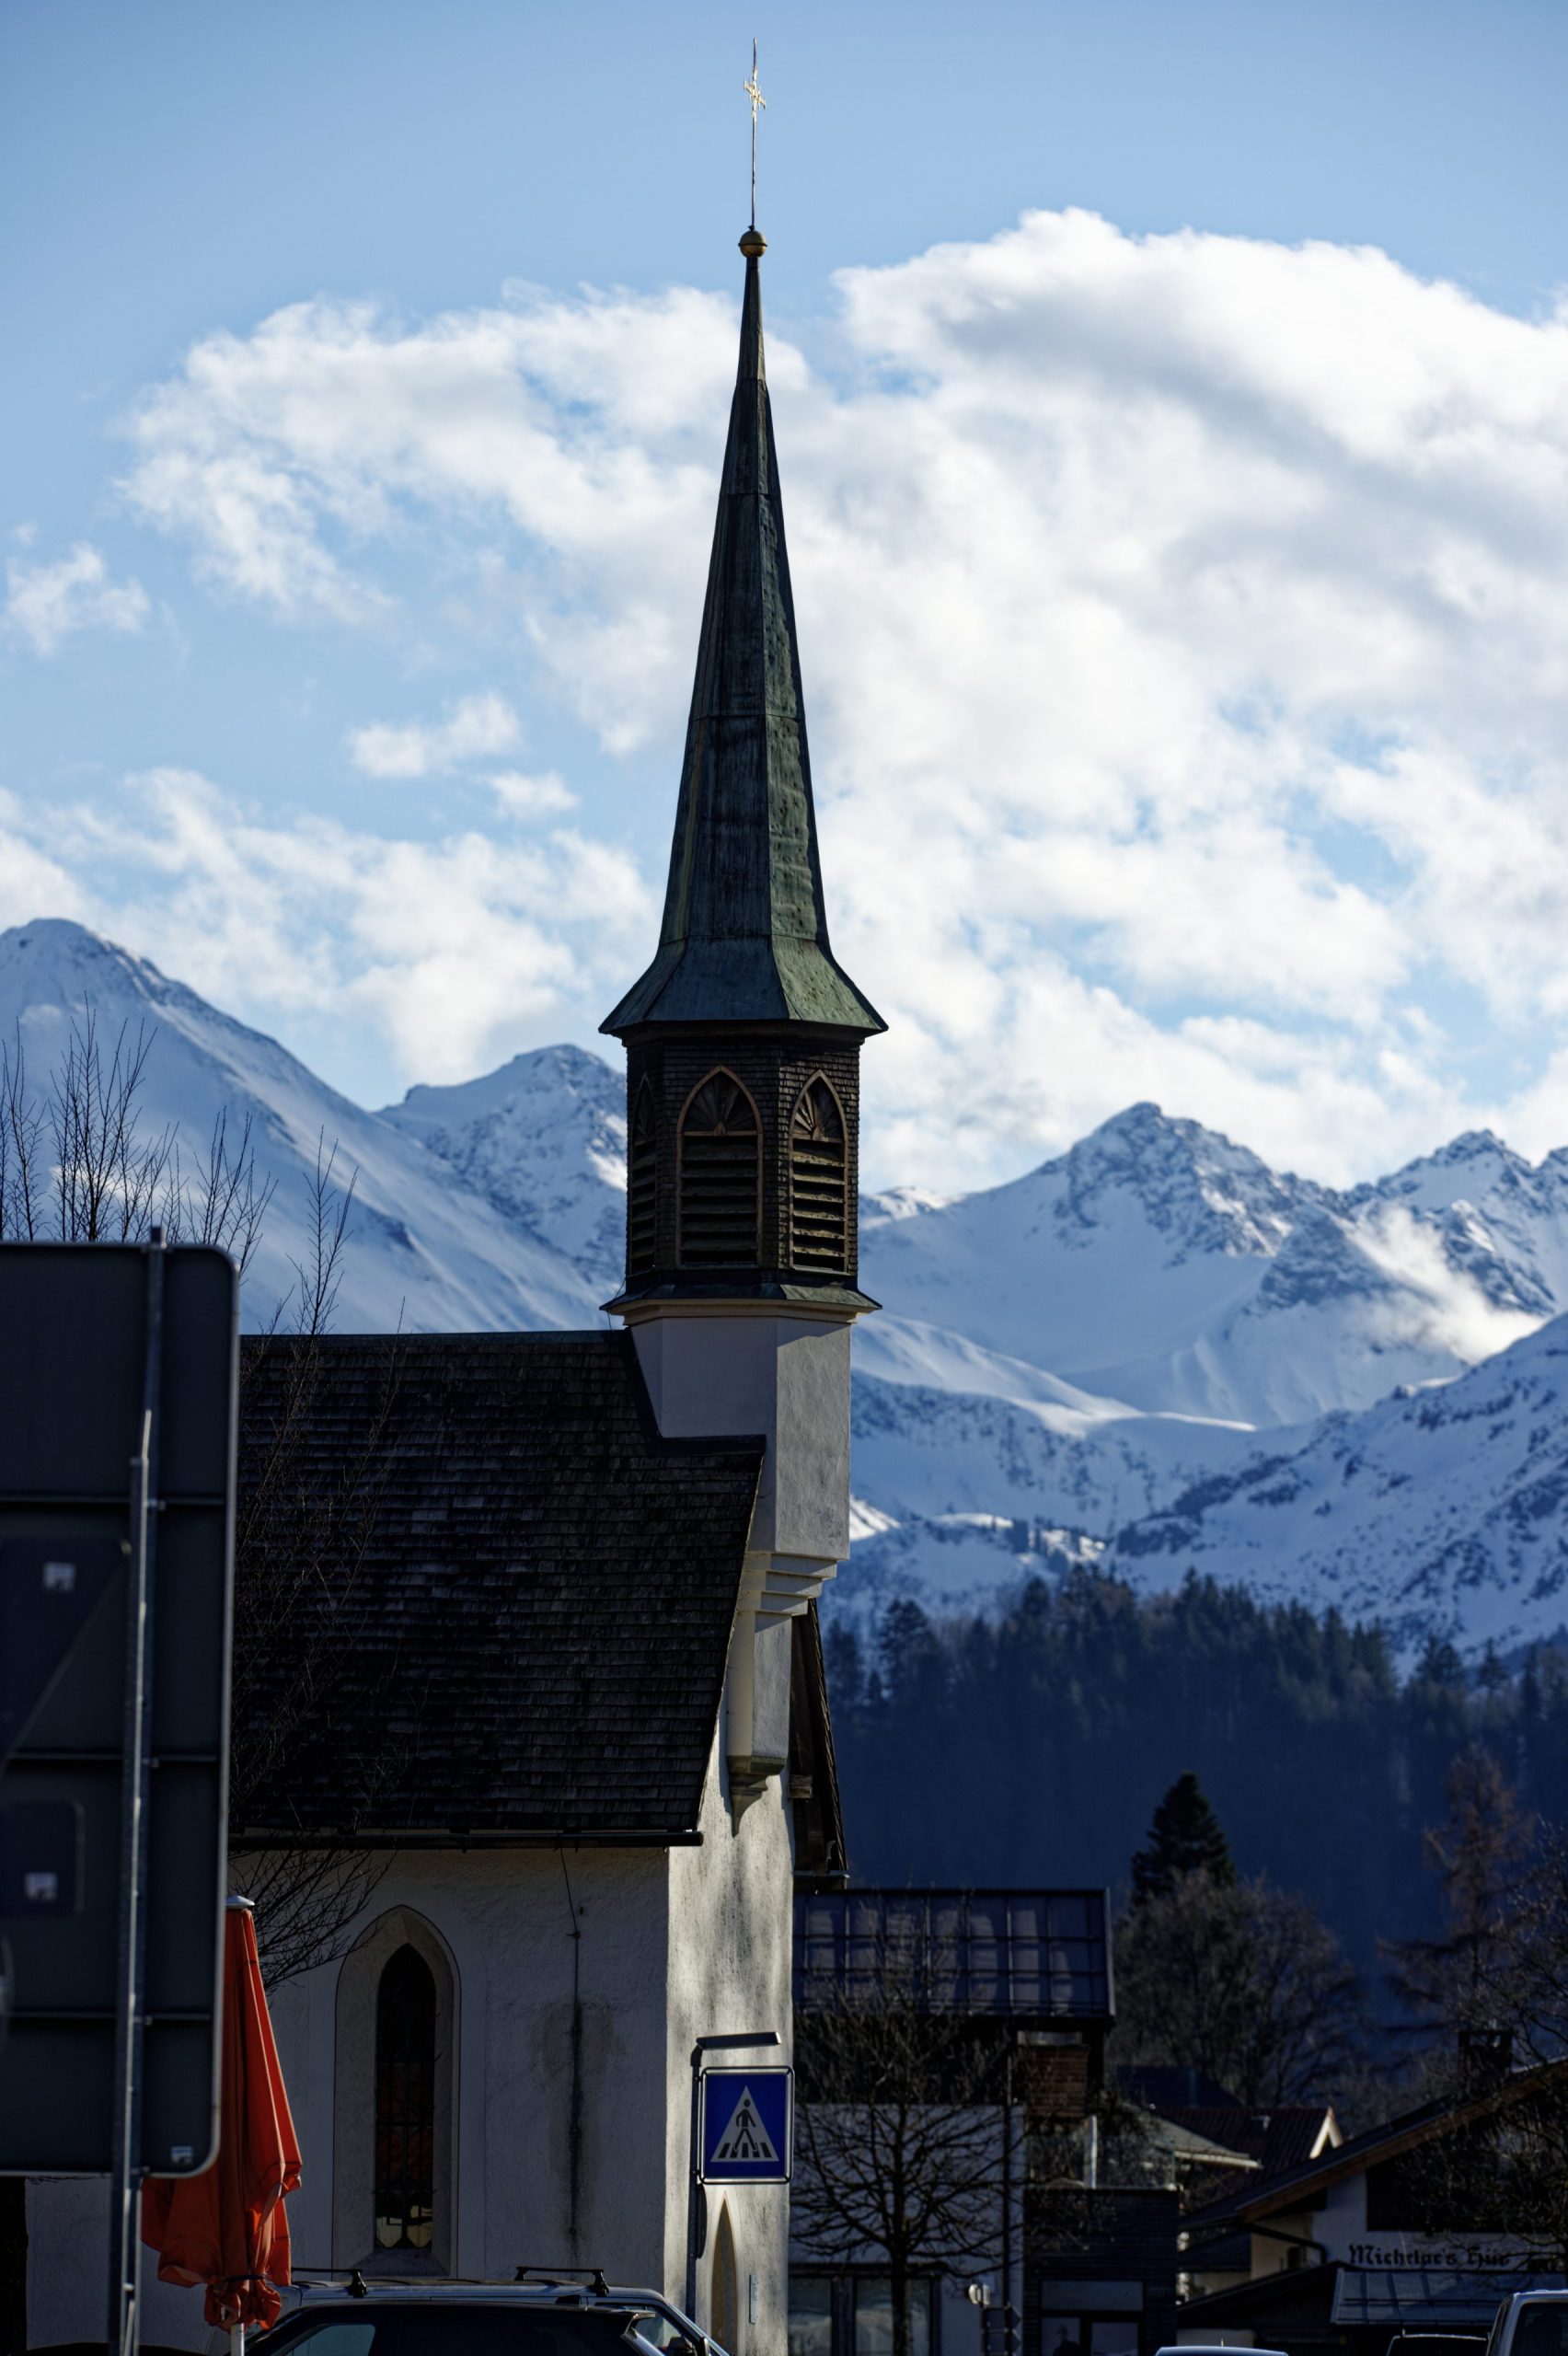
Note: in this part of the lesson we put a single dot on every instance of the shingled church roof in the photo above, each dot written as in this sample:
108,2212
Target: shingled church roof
744,935
479,1597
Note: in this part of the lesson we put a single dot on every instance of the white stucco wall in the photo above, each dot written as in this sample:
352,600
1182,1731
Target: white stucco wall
783,1373
732,1914
673,1945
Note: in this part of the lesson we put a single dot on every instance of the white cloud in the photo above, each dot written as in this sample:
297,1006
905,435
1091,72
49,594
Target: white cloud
477,728
1433,1304
1182,625
451,952
546,796
46,603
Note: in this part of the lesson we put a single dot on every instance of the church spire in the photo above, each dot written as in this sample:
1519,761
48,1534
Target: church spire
744,934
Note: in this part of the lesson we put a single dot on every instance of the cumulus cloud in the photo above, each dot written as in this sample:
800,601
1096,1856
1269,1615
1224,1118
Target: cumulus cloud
1181,624
47,604
449,951
546,796
474,729
1433,1304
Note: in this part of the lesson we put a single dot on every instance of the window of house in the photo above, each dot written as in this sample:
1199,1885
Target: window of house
874,2316
819,1206
1061,2336
720,1153
641,1182
810,2315
851,2314
405,2103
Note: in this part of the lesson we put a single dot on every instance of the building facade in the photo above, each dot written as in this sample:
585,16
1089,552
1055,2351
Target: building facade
533,1617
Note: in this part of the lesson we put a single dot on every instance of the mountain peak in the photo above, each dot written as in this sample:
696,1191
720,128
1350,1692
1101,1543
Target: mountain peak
53,948
1191,1183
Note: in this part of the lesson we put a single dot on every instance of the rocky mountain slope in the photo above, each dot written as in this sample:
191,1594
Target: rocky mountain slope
1153,1351
427,1254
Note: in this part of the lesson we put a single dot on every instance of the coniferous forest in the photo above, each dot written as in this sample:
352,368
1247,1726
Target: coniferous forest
1033,1749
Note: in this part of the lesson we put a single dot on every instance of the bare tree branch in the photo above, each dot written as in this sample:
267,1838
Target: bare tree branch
901,2133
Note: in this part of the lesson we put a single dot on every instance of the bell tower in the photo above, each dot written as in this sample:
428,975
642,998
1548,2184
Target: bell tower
743,1043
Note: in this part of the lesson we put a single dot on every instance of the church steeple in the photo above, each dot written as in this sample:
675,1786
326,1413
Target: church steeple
742,1049
744,935
743,1037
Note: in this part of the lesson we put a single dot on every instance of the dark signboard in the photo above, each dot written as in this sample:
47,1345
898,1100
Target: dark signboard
117,1382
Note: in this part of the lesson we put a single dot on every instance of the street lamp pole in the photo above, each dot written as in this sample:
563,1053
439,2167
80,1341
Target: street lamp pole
696,2199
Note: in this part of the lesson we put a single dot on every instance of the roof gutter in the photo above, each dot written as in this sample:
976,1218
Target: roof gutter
457,1837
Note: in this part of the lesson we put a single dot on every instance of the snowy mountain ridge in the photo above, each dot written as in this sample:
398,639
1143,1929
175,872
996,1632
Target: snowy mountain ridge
1152,1350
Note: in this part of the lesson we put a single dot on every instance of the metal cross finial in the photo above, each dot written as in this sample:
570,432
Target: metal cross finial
753,93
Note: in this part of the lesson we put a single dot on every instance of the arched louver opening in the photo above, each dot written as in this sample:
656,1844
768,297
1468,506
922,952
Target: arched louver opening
819,1169
721,1175
642,1183
405,2103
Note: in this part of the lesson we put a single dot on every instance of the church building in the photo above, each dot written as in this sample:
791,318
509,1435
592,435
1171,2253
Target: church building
568,1721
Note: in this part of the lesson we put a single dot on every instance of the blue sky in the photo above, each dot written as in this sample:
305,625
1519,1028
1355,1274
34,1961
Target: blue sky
1084,928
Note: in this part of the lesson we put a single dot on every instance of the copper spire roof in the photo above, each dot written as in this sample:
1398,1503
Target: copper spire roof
744,935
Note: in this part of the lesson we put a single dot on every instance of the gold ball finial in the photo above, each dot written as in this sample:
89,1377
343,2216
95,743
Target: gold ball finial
754,245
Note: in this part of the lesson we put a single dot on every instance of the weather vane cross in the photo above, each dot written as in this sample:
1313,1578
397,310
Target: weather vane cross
754,92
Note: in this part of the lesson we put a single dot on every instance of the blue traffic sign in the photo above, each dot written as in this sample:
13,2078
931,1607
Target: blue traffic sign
748,2123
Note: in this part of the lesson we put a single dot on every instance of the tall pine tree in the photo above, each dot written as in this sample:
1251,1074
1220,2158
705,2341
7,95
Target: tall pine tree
1185,1838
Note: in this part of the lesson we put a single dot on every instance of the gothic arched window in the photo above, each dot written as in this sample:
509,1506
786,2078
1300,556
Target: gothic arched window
819,1174
724,2307
405,2103
641,1182
720,1175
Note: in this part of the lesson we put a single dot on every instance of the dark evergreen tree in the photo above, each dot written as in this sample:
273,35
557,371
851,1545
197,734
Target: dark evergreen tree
1185,1838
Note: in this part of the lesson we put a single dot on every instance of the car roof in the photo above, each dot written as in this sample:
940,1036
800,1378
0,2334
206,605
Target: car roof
572,2297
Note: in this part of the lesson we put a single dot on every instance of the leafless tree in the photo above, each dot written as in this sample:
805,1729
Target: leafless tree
1451,1984
79,1164
901,2140
1490,1993
1242,1982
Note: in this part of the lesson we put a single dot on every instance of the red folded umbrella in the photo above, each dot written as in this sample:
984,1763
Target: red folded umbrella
228,2227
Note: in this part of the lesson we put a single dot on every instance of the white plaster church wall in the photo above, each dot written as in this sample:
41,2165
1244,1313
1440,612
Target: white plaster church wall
507,1923
673,1945
731,1919
784,1376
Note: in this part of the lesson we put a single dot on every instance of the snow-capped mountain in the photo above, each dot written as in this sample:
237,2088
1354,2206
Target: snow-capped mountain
426,1252
1444,1509
542,1141
1159,1264
1153,1351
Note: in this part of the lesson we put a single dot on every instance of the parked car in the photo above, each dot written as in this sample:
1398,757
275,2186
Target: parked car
536,2315
1215,2348
1530,2323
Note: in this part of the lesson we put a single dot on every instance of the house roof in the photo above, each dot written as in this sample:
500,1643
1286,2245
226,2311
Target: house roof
1277,2139
1293,2187
744,933
479,1596
1041,1955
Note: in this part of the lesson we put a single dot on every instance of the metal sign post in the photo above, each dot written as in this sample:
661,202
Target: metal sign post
130,2028
115,1608
696,2204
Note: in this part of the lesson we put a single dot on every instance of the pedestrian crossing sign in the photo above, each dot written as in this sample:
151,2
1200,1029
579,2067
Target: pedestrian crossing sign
747,2126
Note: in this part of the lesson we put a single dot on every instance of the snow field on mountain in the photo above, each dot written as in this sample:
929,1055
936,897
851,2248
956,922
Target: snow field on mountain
1153,1352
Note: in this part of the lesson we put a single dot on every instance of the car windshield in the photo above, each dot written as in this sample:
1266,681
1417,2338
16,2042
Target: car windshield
439,2328
1541,2329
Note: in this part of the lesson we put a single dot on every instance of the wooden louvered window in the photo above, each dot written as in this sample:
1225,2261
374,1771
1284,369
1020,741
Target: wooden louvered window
642,1183
720,1172
819,1206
